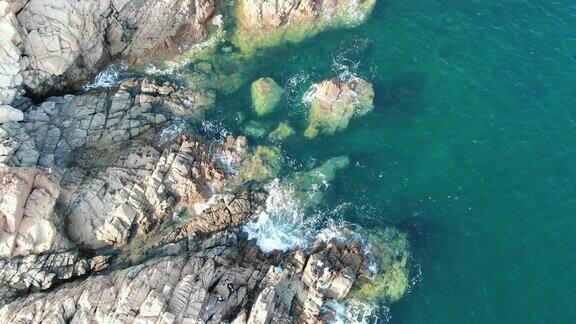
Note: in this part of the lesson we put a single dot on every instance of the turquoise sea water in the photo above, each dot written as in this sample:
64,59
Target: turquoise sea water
471,149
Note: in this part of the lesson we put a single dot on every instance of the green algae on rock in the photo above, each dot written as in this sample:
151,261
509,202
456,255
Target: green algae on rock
307,183
255,128
266,95
390,249
262,165
283,131
267,23
334,102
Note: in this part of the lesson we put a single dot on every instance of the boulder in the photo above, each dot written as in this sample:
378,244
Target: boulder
334,102
283,131
266,95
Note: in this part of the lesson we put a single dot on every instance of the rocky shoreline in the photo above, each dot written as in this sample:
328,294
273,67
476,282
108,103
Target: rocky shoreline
106,218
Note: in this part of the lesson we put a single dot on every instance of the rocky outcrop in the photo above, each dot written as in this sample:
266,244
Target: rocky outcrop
51,131
28,221
219,279
264,23
266,95
8,114
51,45
143,186
334,102
23,274
225,211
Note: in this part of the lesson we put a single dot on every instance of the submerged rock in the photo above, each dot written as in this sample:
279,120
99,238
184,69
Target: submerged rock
266,95
262,165
334,102
390,250
265,23
307,184
255,128
283,131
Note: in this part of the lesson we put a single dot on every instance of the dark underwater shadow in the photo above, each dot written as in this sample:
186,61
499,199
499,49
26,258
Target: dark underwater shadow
403,95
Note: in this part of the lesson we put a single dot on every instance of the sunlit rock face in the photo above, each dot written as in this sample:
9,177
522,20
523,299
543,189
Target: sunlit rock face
264,23
51,46
334,102
28,221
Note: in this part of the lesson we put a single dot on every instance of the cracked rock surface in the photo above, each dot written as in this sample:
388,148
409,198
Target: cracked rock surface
52,45
51,131
212,280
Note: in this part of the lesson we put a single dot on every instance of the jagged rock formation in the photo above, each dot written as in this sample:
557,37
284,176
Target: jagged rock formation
226,211
105,220
220,279
51,45
33,272
60,125
334,102
141,188
264,23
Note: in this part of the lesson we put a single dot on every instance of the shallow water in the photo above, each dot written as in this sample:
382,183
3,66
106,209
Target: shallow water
470,149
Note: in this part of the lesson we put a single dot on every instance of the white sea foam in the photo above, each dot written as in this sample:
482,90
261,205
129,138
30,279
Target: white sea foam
354,311
214,129
109,77
176,128
283,224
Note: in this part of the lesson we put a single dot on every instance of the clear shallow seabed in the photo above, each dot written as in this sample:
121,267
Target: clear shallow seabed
470,148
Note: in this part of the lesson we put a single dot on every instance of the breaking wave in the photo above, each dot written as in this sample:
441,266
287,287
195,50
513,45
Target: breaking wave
109,77
283,224
355,312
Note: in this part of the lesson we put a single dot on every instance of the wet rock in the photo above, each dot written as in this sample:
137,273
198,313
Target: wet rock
390,251
334,102
231,152
266,95
228,210
262,165
283,131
